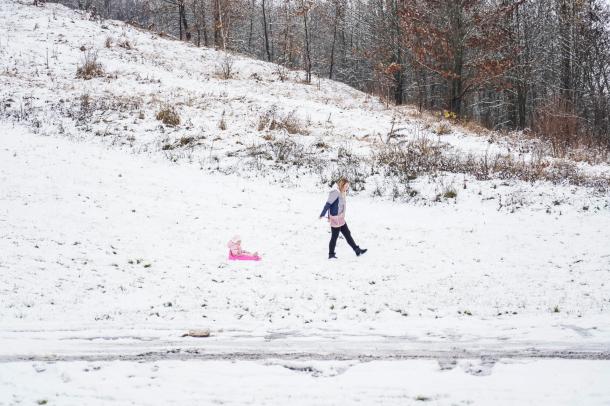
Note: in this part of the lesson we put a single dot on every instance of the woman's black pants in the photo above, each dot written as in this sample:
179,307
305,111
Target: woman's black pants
346,234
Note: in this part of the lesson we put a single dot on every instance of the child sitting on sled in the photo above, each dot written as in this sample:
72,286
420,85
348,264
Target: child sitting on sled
237,253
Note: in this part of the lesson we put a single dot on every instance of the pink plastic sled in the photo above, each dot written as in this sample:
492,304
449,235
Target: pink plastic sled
243,257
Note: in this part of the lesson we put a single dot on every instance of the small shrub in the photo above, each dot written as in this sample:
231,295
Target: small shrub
411,158
281,72
108,42
320,144
90,67
86,108
558,123
258,155
285,150
263,122
352,167
222,124
450,115
395,193
225,68
403,192
265,119
184,141
289,122
378,191
442,129
473,127
450,193
125,43
168,116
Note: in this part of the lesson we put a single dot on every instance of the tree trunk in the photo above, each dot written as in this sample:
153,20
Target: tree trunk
457,44
566,47
250,32
332,48
217,25
266,33
180,7
206,40
398,57
307,51
455,104
183,22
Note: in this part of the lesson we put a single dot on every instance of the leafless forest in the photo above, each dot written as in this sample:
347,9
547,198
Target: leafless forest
540,66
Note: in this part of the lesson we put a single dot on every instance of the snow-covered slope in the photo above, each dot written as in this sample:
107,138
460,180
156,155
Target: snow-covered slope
95,238
43,47
109,250
261,120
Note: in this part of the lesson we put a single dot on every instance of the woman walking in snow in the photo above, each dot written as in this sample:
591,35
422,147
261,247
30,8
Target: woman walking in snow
335,206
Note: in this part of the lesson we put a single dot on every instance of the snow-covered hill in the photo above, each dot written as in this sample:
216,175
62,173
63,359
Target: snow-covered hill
111,251
259,118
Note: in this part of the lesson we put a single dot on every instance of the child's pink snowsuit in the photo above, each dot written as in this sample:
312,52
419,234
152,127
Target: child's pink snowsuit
236,253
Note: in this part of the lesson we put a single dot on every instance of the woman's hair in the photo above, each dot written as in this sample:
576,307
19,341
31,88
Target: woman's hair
342,182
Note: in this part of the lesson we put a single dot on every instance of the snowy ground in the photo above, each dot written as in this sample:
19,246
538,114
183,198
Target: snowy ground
92,236
109,255
458,285
275,382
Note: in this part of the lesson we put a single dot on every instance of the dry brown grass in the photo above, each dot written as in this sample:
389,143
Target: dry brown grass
421,157
581,149
263,122
169,116
558,123
182,142
442,129
273,122
90,68
125,43
222,124
473,127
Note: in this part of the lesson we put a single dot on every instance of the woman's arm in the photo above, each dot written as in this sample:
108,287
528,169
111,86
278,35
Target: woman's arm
332,197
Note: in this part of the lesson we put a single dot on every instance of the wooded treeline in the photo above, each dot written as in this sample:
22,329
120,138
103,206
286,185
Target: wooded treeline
542,65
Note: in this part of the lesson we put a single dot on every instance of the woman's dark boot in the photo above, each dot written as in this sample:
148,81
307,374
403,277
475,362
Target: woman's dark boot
332,256
361,251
